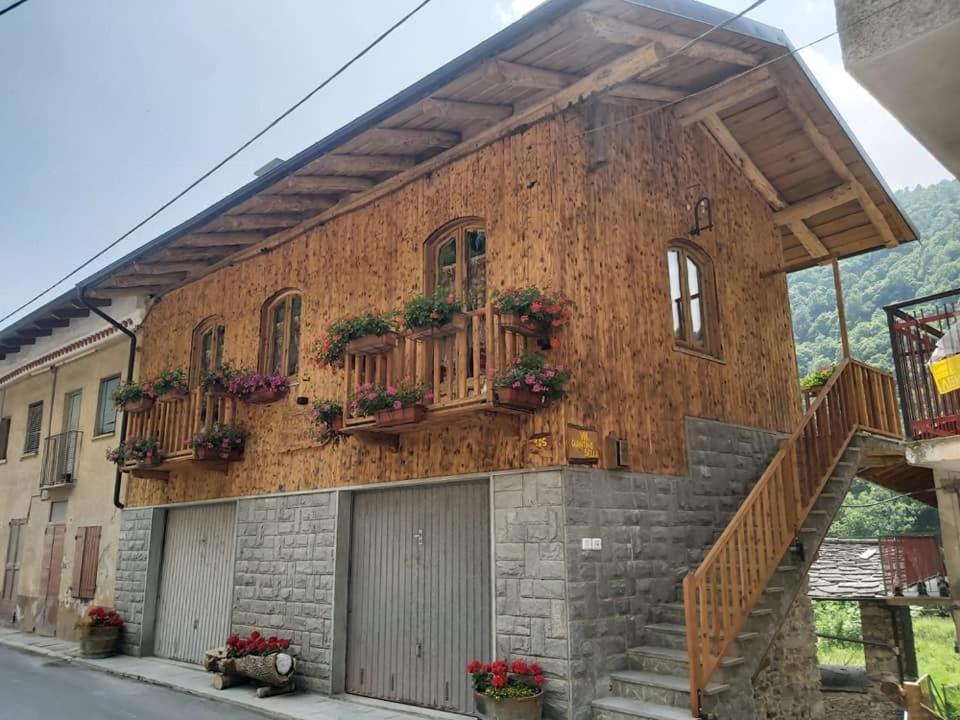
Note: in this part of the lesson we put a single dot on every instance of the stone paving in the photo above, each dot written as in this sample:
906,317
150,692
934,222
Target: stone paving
193,680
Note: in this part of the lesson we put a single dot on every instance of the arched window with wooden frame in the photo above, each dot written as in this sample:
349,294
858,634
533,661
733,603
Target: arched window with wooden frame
693,298
280,333
456,261
208,339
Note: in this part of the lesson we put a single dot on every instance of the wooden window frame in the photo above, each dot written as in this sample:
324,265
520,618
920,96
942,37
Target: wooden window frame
709,306
285,298
4,438
212,323
104,401
438,238
29,450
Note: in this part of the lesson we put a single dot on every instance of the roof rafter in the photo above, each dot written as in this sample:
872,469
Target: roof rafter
715,127
819,203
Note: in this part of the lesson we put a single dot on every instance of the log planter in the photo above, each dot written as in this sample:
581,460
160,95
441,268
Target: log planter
373,344
174,396
138,406
264,396
267,669
456,325
522,399
97,641
528,328
403,416
215,454
528,708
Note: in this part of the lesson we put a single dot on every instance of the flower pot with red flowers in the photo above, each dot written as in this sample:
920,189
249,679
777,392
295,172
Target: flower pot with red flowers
434,316
259,389
216,380
99,632
134,397
369,333
266,660
142,452
327,415
219,442
531,383
505,690
391,404
171,385
532,312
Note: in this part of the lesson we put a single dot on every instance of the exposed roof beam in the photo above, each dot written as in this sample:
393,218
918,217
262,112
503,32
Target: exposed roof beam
71,312
616,30
285,204
21,340
163,267
458,110
9,349
823,144
221,240
53,322
808,239
267,221
739,156
718,98
360,164
646,91
137,290
529,76
413,140
817,204
318,184
35,332
176,254
136,281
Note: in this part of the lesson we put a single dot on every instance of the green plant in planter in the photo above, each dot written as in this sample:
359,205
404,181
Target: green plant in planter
330,350
501,680
818,378
131,392
221,440
533,373
170,380
218,378
136,450
547,309
369,399
430,311
327,415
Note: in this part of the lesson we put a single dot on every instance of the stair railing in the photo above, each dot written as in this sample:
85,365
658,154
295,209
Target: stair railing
720,594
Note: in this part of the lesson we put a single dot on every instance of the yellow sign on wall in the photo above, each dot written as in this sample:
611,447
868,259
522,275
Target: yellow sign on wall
583,445
946,374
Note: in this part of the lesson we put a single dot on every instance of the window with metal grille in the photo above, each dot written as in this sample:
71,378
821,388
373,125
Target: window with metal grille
86,559
106,410
4,436
31,443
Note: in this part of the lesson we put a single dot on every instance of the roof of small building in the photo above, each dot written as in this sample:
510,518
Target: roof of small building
847,570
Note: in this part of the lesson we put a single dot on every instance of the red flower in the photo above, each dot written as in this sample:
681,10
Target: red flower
254,635
518,667
539,679
474,666
499,667
284,644
499,681
535,669
554,342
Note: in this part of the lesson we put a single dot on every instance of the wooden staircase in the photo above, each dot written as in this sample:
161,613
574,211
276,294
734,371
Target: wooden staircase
699,657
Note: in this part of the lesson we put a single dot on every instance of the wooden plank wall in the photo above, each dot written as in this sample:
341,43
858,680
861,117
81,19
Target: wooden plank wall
598,235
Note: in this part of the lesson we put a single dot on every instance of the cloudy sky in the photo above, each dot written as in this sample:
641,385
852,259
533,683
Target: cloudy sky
110,107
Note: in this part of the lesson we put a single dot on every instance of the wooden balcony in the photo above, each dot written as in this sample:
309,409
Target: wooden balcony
174,423
458,368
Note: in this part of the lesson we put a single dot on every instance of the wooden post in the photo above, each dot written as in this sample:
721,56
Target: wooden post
841,309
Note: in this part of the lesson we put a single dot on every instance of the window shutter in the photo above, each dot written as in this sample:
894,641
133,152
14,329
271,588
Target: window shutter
78,543
4,436
91,561
34,424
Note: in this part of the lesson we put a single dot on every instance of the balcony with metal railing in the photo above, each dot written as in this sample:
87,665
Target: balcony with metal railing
60,455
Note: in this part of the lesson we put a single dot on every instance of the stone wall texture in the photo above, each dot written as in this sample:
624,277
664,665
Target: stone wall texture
530,578
787,687
285,577
858,706
133,556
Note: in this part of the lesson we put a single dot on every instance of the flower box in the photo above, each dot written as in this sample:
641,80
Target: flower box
373,344
232,455
151,463
456,324
264,396
523,708
138,406
174,396
521,398
403,416
528,327
99,641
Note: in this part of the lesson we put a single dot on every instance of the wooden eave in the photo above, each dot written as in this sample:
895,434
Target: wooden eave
41,322
772,123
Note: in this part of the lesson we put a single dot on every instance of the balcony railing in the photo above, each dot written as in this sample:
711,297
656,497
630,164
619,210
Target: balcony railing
174,423
915,328
458,368
60,454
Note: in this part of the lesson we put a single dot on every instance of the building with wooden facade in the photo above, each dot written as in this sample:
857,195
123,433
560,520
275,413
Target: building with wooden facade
642,538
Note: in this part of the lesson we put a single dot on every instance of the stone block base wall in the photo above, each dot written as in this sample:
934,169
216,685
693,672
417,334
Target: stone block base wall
138,566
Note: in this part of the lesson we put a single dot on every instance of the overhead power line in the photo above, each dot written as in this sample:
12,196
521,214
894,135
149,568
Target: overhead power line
343,68
12,6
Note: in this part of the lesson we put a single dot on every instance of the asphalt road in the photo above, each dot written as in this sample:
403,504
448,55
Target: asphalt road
39,688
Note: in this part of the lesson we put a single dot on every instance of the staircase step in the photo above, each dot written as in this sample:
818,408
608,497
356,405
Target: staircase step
674,636
666,682
671,657
614,708
819,513
773,590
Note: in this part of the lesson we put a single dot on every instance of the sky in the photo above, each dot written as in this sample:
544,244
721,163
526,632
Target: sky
111,107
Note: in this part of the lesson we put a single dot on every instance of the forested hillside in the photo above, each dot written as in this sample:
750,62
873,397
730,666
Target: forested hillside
876,279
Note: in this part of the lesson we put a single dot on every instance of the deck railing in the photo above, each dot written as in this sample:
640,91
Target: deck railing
720,594
457,368
915,328
174,423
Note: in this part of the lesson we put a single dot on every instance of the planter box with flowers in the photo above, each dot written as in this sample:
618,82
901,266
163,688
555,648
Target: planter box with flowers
436,316
134,397
812,384
327,415
533,312
369,333
99,632
531,383
216,380
391,405
170,385
264,660
258,389
141,452
219,442
507,690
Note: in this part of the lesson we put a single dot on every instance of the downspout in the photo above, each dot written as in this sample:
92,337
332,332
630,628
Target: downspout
131,360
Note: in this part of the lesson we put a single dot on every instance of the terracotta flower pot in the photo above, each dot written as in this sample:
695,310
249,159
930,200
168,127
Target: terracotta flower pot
529,328
99,641
174,396
529,708
456,324
403,416
217,454
521,398
264,396
373,344
138,406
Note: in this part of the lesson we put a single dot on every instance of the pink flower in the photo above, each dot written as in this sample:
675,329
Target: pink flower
397,405
516,385
391,390
538,388
428,398
371,396
530,379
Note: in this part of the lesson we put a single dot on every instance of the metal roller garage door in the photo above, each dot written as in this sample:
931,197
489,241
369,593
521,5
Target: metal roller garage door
196,581
420,593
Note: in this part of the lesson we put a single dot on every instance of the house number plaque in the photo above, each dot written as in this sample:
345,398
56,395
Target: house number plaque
583,445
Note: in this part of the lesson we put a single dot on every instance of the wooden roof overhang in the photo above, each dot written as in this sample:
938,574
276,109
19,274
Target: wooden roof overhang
770,118
57,313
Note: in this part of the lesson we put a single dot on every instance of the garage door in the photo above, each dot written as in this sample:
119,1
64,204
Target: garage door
420,593
196,581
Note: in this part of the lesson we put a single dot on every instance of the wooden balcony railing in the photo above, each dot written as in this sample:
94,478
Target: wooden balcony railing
174,423
720,594
457,368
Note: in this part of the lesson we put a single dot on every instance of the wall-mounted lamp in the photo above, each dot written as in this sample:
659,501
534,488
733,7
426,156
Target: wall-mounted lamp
702,216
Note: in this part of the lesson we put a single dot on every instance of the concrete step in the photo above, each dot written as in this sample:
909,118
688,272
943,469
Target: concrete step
671,613
615,708
674,635
671,690
667,661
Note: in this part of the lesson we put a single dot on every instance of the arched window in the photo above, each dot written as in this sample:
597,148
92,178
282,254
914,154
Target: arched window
280,330
693,298
456,261
208,338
